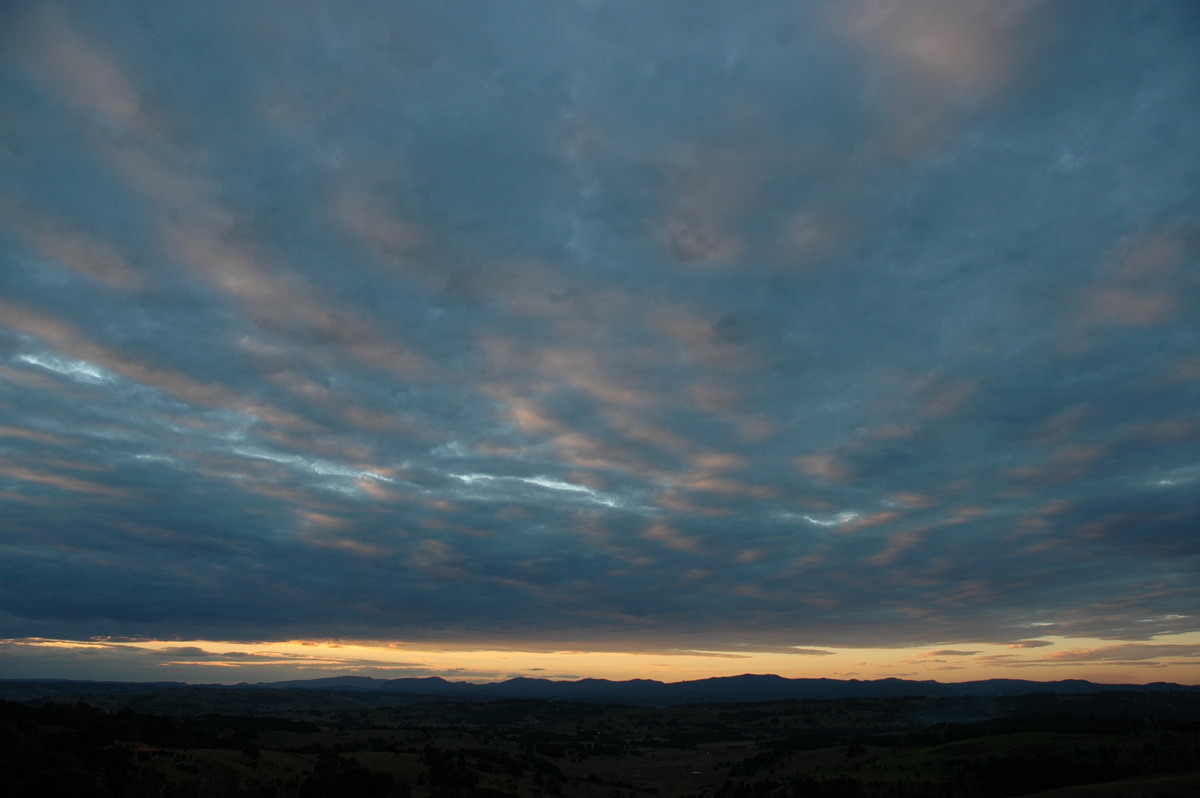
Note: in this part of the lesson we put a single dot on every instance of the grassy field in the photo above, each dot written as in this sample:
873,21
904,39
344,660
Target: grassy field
336,746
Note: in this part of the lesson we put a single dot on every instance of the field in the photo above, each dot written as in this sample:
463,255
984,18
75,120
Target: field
192,743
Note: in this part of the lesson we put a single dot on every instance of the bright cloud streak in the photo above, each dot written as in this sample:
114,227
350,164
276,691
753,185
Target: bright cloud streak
71,368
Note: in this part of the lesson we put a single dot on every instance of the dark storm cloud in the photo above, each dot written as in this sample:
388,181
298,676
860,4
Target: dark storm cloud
789,325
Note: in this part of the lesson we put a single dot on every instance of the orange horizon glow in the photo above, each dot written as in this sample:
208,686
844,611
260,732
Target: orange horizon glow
1173,658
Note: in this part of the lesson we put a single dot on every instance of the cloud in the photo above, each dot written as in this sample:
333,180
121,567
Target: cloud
781,329
1126,652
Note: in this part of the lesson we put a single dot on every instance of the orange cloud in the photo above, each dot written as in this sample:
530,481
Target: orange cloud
340,404
699,338
709,483
74,249
322,530
876,519
1064,424
438,558
949,399
59,481
1125,652
824,466
196,229
718,461
748,556
283,301
582,370
1067,462
807,235
32,435
964,514
1141,287
670,537
88,73
76,345
366,217
935,53
967,593
1188,369
897,545
712,191
673,500
1128,307
913,501
1175,430
1156,255
577,449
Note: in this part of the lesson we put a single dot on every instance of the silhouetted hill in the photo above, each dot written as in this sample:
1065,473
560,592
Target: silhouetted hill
646,692
746,687
329,683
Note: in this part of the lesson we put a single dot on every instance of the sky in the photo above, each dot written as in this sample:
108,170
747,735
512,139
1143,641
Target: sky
600,338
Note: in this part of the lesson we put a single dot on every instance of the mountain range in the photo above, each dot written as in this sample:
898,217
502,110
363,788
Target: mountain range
645,692
747,687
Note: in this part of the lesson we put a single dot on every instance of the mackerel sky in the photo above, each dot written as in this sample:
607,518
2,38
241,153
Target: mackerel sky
692,325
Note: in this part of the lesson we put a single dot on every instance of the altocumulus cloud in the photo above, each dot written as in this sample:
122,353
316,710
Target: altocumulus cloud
767,327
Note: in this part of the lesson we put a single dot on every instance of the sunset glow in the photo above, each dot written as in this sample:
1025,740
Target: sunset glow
1174,658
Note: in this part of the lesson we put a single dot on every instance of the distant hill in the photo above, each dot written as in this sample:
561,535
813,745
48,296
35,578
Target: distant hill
747,687
646,692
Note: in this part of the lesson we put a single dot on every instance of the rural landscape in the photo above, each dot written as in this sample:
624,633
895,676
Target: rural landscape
600,399
331,739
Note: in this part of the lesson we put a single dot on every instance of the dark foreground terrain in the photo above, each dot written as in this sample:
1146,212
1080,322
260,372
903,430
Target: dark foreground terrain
184,743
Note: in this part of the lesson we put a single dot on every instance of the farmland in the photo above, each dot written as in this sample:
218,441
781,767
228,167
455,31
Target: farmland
285,744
